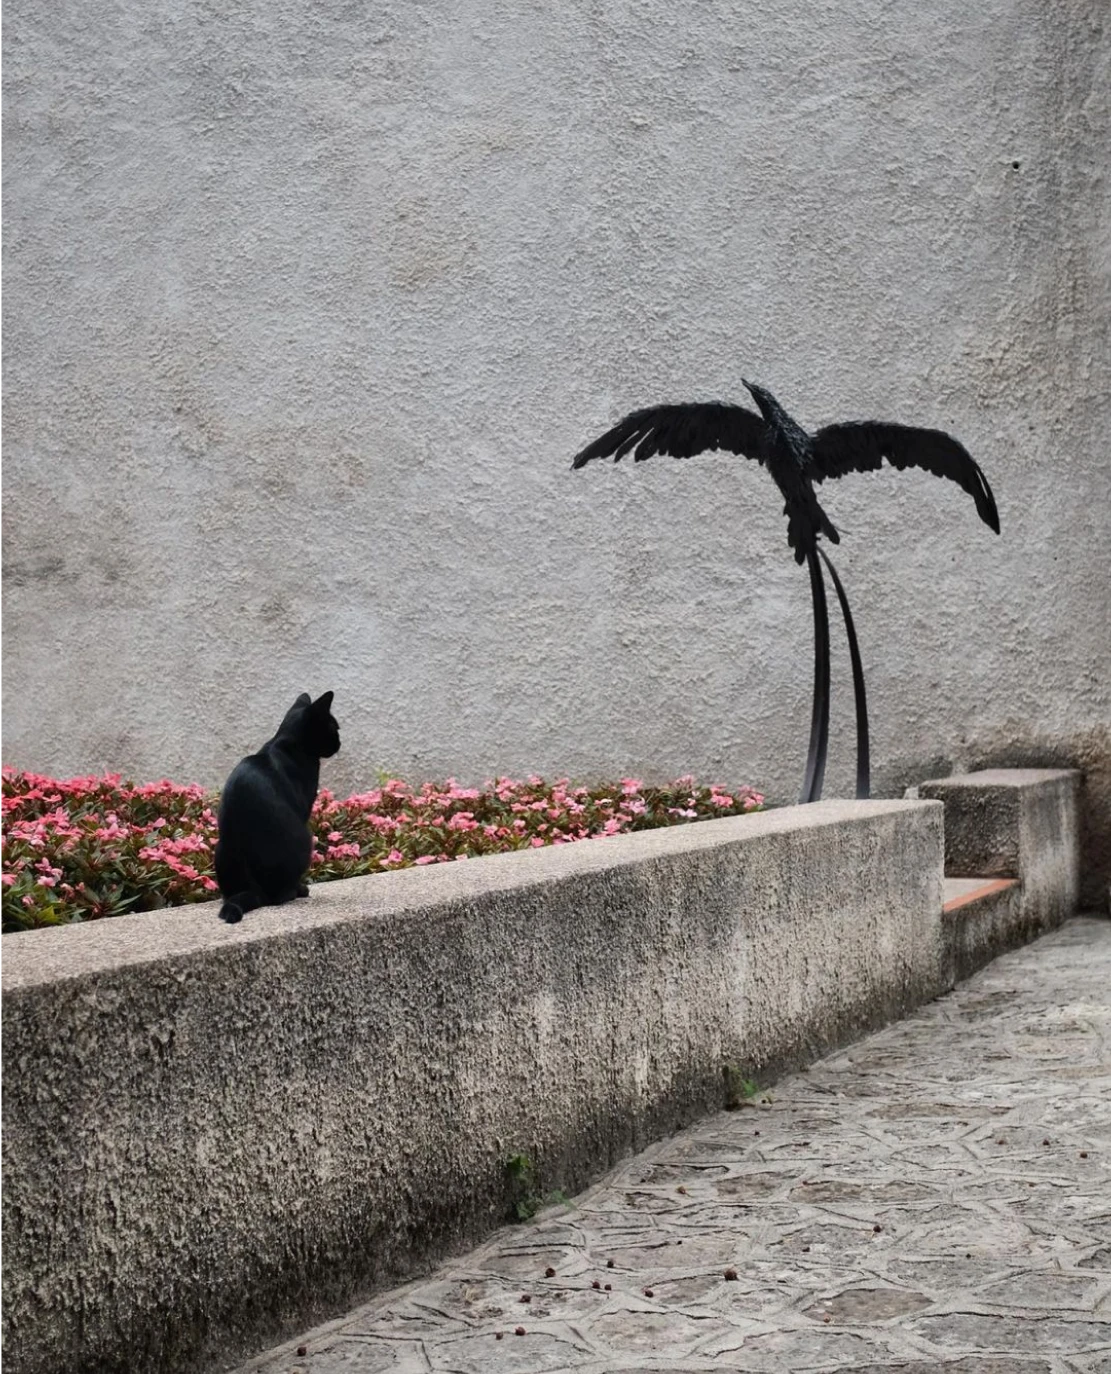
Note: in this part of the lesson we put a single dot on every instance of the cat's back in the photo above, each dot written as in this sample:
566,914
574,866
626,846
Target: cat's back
253,786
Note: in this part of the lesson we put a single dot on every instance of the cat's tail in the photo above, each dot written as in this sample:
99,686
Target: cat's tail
237,906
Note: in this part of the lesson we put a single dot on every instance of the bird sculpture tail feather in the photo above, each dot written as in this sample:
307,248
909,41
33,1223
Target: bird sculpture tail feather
829,530
803,533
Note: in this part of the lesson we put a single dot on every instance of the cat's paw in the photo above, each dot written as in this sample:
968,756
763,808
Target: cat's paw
302,889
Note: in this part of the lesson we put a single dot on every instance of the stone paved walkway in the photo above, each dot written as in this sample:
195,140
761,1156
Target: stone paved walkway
938,1195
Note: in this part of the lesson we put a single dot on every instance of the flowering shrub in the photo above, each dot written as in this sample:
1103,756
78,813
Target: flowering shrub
94,847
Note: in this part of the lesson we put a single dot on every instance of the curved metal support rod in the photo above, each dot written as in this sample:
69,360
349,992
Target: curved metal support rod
863,761
819,719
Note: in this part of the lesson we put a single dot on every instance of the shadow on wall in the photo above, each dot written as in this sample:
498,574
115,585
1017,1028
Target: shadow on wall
1015,746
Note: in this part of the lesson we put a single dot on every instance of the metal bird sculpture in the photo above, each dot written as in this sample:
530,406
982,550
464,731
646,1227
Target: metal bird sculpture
796,461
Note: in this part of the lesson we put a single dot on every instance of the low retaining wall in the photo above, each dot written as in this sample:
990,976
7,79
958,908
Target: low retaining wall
1018,824
213,1133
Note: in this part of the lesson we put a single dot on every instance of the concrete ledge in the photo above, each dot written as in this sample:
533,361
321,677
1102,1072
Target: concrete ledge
1021,823
962,892
1013,837
982,923
215,1133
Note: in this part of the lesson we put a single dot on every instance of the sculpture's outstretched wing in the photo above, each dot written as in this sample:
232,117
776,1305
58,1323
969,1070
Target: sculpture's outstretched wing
682,431
838,449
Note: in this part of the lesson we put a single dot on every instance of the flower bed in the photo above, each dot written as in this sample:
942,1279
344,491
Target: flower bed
94,847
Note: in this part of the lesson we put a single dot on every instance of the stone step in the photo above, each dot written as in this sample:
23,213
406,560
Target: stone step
980,919
1012,859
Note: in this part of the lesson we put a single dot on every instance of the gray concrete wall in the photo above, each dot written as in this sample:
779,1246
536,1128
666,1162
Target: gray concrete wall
211,1133
307,308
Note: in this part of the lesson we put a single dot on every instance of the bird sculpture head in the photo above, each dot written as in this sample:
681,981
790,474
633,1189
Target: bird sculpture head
770,408
780,421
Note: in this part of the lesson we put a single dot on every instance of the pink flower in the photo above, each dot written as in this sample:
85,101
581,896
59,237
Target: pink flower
99,826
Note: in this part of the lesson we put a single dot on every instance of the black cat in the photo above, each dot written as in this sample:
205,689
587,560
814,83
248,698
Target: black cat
265,844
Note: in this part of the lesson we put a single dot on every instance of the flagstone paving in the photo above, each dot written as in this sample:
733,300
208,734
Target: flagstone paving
937,1195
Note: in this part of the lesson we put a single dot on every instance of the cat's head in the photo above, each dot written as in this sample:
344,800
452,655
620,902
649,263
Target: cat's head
314,724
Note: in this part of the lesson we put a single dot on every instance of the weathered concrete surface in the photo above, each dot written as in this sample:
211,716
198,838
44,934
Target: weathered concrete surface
1086,750
308,306
981,925
1021,827
937,1196
1019,823
1089,753
212,1132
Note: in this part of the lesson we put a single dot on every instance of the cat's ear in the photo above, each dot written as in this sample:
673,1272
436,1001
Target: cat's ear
324,703
303,700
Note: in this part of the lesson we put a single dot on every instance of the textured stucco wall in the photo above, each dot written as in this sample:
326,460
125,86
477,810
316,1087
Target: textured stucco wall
211,1132
307,308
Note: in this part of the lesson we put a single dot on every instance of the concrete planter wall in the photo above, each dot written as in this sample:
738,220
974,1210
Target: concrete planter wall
209,1130
212,1133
